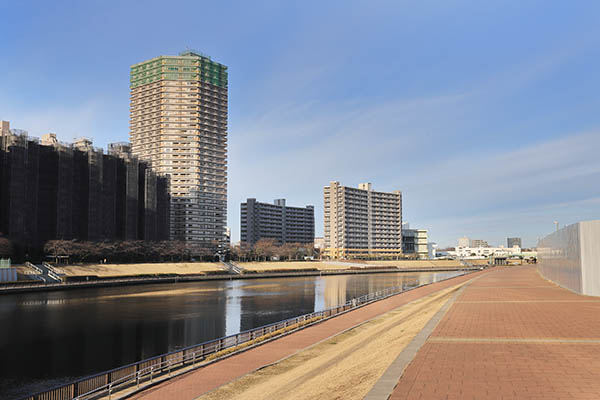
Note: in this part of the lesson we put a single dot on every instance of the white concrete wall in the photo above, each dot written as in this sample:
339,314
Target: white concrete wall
570,257
589,237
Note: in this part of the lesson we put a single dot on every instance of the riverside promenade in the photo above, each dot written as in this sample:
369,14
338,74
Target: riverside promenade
510,335
206,379
506,334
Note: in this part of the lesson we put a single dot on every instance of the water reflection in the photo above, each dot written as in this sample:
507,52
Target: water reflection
47,338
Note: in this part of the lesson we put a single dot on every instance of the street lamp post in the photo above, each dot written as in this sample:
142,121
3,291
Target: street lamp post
556,223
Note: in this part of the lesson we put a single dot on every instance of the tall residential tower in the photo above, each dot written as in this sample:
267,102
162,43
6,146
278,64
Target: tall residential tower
178,124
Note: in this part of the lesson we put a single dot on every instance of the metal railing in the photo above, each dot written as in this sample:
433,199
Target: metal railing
49,271
146,371
53,272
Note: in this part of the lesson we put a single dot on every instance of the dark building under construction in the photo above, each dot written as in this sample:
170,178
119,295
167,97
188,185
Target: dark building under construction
50,190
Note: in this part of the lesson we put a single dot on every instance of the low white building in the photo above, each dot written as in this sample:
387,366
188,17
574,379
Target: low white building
485,252
432,250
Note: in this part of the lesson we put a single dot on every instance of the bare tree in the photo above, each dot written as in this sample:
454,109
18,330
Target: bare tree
264,248
289,250
241,252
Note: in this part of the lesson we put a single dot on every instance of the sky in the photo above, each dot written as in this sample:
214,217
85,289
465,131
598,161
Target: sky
486,114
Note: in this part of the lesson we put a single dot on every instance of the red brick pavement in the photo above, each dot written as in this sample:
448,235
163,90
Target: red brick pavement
470,355
196,383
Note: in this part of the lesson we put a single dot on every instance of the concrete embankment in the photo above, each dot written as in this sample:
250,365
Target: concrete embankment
23,288
111,275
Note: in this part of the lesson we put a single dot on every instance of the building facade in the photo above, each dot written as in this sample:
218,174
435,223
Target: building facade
61,192
513,241
276,221
178,125
361,223
464,242
484,252
479,243
414,241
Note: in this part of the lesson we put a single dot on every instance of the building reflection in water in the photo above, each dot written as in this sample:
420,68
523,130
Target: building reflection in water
58,336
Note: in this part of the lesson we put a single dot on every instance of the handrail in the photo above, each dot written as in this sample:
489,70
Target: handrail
52,272
146,370
34,267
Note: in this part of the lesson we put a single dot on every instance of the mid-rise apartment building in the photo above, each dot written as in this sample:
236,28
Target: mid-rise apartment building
276,221
178,124
361,223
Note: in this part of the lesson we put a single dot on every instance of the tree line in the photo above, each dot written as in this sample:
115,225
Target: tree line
128,251
266,249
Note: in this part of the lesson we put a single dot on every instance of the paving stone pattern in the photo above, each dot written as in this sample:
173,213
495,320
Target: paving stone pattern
554,354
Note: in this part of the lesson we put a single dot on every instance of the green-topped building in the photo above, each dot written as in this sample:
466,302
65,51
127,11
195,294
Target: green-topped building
178,124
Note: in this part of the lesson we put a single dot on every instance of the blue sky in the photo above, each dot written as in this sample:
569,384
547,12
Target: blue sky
486,114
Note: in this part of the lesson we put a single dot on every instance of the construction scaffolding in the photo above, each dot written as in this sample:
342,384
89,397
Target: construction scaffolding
63,192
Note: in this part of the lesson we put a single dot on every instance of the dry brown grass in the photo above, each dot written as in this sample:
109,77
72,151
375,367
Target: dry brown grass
274,266
417,263
345,366
108,270
478,262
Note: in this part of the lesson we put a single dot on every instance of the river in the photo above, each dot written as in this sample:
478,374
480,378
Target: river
55,337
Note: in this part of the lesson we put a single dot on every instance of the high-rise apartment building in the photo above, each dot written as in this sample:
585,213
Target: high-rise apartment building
276,221
361,223
178,124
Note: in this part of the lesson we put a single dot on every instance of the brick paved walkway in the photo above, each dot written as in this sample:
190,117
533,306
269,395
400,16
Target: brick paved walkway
196,383
510,335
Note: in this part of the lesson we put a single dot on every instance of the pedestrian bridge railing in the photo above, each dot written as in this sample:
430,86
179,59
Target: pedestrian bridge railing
143,372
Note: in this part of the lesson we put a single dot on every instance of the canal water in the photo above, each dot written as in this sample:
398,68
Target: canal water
51,338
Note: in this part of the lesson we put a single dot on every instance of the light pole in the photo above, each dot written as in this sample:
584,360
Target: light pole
556,223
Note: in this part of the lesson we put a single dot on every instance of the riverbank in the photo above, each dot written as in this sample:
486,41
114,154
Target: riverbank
24,288
214,376
211,271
